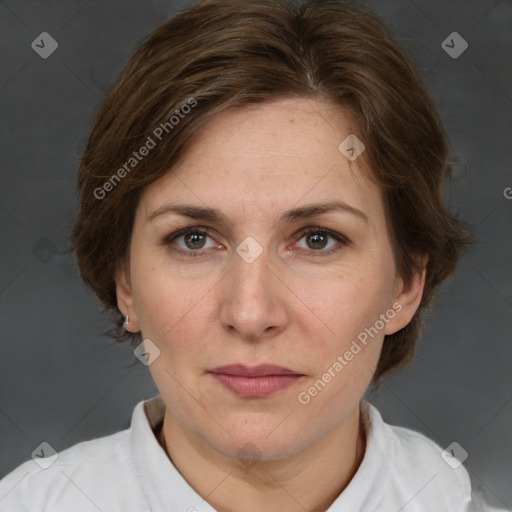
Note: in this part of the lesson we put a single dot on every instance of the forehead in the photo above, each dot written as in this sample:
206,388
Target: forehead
269,157
282,130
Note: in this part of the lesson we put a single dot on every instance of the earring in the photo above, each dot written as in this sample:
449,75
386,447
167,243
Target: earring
127,321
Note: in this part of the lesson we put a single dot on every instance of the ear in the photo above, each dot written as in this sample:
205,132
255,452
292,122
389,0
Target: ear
407,299
125,301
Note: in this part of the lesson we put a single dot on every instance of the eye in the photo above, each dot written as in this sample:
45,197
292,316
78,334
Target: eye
317,240
193,241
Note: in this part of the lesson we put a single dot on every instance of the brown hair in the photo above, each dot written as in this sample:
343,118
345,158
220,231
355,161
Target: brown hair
225,53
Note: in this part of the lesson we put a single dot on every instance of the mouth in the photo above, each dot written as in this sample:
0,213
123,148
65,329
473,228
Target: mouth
257,381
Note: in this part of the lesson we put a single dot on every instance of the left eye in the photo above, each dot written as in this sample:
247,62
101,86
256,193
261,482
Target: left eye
318,240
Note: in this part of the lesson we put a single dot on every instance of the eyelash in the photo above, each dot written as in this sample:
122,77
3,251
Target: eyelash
307,231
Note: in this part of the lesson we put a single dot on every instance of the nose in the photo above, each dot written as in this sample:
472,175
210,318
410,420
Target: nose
253,302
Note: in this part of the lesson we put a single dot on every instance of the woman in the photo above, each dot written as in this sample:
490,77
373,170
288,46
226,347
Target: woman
261,205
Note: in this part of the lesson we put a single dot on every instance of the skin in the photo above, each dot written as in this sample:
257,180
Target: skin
294,306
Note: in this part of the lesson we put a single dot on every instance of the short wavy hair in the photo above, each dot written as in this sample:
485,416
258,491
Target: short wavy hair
229,53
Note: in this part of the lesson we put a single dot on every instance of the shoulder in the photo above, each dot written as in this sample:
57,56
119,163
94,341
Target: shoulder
80,478
422,475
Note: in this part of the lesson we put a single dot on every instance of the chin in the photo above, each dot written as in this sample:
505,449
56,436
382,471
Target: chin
250,440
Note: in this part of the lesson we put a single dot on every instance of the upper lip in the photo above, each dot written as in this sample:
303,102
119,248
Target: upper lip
253,371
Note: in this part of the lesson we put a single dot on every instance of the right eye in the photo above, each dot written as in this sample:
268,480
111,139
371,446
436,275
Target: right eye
192,240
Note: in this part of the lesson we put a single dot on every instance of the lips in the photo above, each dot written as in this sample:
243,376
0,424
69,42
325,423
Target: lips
256,381
254,371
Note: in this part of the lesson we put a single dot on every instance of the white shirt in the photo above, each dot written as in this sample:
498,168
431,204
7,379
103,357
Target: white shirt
402,470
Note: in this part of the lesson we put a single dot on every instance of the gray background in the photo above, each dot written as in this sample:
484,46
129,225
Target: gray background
62,381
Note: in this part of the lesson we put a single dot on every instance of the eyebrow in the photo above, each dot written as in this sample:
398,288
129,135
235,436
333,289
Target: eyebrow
289,216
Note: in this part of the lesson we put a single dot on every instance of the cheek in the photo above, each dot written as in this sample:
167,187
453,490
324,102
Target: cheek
348,348
347,353
170,307
347,303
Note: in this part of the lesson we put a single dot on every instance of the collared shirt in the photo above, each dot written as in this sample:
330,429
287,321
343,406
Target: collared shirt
402,470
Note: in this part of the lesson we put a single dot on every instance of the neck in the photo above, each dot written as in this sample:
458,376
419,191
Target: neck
309,480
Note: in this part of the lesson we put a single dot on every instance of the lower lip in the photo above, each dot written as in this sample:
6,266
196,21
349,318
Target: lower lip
255,387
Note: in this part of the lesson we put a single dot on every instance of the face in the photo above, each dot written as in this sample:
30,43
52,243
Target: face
230,264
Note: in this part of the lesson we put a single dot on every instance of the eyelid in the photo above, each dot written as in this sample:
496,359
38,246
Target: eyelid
184,231
328,232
